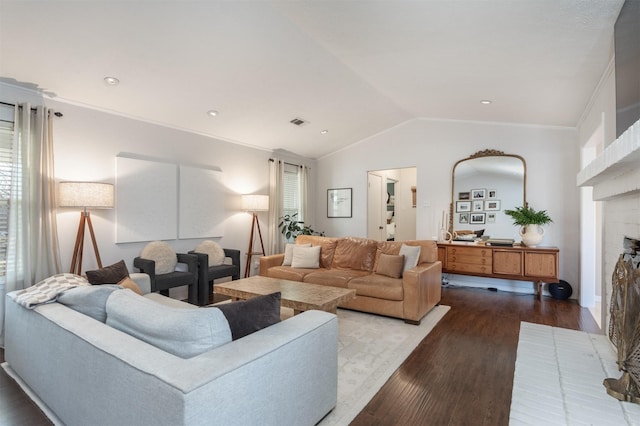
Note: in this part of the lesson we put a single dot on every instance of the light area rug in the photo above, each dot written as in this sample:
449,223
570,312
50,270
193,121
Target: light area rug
370,349
558,380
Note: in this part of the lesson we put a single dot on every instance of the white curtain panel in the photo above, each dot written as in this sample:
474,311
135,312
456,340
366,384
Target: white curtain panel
32,252
276,179
303,175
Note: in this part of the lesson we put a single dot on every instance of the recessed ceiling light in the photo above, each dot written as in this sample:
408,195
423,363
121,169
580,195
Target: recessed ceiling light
111,81
486,102
212,112
324,132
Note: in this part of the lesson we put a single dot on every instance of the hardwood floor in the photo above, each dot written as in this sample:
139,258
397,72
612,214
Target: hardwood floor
461,373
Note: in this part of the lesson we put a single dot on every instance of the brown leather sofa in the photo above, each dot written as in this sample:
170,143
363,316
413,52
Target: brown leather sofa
351,262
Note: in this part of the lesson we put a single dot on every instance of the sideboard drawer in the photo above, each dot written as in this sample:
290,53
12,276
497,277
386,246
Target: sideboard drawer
469,268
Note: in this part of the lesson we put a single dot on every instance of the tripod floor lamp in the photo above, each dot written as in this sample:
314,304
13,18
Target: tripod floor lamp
87,195
254,204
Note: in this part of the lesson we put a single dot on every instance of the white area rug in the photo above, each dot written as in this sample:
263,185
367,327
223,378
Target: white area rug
558,380
370,349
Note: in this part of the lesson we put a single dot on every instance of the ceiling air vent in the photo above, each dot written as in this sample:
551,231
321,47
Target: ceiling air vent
298,121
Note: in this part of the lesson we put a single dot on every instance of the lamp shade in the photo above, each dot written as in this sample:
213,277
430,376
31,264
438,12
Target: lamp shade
255,203
95,195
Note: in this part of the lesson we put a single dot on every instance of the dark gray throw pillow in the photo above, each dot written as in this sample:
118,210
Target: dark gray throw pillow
248,316
111,274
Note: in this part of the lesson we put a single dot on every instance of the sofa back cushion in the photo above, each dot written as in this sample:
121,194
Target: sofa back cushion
89,300
327,247
355,253
428,249
181,332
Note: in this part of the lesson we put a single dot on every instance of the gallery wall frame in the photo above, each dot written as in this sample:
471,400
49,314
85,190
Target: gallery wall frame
339,202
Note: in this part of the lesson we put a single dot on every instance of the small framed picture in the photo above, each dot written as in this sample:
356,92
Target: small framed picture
463,206
478,194
477,218
478,206
464,218
464,195
491,193
339,202
491,218
492,205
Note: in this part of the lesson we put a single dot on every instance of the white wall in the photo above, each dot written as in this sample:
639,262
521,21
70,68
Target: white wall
86,142
433,146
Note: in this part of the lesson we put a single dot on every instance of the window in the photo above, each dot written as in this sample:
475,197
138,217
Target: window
6,171
291,191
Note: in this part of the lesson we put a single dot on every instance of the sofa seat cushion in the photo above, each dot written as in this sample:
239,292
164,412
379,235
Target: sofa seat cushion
378,286
289,273
181,332
333,277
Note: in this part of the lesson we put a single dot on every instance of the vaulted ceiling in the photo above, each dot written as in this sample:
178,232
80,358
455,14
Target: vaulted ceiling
352,68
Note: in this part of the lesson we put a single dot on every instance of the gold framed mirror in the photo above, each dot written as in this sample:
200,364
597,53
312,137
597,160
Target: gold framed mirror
483,186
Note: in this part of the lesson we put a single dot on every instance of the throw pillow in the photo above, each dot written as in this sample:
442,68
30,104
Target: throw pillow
109,274
248,316
89,300
390,265
162,254
411,255
288,253
306,257
181,332
213,250
131,285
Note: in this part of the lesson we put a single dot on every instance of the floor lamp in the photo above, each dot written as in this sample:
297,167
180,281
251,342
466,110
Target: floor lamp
87,195
254,204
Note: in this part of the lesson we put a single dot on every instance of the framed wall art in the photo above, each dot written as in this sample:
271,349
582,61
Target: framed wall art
478,206
339,202
492,205
478,194
477,218
463,206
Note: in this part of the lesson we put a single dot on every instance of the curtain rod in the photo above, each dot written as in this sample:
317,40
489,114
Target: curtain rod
57,113
291,164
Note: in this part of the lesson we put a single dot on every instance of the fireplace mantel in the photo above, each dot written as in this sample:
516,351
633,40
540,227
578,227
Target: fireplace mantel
616,171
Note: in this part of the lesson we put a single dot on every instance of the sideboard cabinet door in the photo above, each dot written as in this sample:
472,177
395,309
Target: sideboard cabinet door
540,264
507,262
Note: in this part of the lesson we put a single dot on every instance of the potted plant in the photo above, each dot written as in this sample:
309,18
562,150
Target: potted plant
291,227
531,222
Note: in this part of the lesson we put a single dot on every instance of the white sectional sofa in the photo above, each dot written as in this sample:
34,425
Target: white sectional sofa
88,373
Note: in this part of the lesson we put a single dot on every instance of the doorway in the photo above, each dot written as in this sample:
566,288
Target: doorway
391,209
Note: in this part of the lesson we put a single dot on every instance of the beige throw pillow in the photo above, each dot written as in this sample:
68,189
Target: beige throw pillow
390,265
161,253
306,257
131,285
213,250
288,253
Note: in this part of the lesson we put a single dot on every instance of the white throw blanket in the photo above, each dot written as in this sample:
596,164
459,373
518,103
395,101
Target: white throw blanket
47,290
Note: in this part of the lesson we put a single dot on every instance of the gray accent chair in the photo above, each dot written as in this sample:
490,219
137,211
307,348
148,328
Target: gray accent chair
163,282
206,273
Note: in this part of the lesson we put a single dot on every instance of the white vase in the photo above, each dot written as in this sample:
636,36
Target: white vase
531,235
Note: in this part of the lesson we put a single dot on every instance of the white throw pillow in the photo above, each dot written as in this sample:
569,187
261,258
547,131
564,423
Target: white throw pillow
306,257
411,255
213,250
161,253
288,253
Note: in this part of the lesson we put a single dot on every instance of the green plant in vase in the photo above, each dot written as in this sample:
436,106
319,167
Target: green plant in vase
531,222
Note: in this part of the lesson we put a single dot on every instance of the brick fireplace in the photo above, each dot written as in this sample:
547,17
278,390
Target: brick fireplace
615,178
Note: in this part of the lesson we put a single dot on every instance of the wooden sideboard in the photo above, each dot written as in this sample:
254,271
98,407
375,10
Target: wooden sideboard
537,264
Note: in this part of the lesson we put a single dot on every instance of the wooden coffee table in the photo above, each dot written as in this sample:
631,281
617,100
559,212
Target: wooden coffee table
296,295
